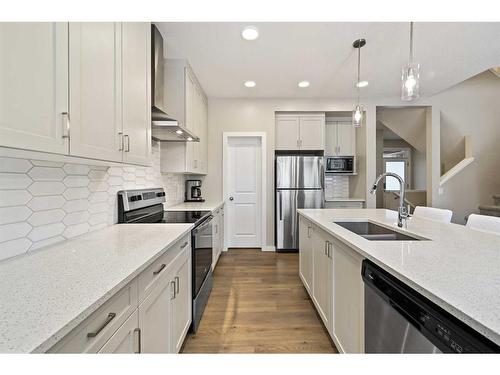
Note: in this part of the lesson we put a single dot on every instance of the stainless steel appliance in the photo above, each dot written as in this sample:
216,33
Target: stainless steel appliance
193,191
400,320
164,127
146,206
299,184
340,164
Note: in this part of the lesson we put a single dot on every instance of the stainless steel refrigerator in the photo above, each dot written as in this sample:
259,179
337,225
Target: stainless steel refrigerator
299,184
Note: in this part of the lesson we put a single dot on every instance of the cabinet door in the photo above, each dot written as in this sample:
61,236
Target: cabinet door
348,302
136,72
34,85
305,253
331,139
95,90
322,276
155,315
181,304
190,100
287,133
312,132
203,134
346,139
126,339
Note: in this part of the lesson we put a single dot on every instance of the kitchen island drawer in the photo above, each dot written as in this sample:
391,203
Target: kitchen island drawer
90,335
149,277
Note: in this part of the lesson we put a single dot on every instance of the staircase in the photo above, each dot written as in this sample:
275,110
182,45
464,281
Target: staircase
491,210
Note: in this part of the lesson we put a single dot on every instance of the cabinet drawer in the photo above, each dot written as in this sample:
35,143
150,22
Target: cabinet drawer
150,276
90,335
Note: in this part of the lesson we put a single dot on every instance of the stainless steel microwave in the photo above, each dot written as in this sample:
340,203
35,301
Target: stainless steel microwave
340,164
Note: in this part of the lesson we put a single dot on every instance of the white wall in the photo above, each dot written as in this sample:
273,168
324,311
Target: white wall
232,115
472,108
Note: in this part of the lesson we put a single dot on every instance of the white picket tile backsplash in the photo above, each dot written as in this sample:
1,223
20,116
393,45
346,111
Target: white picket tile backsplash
45,202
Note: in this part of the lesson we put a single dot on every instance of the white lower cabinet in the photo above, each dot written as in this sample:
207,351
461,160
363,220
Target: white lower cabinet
154,318
152,314
306,253
335,285
322,276
348,299
126,339
218,235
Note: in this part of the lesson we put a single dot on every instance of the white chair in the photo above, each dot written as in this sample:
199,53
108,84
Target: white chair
484,223
431,213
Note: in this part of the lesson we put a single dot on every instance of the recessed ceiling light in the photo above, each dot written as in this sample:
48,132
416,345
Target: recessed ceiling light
362,84
250,33
179,131
249,83
303,84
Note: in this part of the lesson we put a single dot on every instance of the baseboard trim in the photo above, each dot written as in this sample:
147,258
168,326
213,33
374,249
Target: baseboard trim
269,248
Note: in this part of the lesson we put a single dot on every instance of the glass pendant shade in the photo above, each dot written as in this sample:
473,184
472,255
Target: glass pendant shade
357,116
410,82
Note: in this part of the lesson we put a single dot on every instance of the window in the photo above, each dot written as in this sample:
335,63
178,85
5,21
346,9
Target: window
398,167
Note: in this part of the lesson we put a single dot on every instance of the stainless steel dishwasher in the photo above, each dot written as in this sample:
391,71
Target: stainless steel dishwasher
400,320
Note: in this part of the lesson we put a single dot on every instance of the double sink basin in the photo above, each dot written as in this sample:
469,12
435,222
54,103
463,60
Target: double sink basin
374,232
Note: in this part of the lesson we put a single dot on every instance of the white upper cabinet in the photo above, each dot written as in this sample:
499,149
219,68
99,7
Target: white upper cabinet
287,133
186,101
312,132
340,139
78,89
300,132
136,71
95,90
34,86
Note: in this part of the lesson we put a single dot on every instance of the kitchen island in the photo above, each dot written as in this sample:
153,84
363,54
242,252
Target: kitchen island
456,268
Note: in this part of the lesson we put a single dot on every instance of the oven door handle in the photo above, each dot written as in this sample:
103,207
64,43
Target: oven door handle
205,223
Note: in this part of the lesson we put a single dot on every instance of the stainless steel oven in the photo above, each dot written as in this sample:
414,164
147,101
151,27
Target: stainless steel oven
340,164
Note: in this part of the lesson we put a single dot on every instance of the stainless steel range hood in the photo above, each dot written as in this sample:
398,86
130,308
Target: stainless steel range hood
164,128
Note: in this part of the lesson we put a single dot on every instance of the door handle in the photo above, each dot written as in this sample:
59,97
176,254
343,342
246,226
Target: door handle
172,284
66,125
177,282
281,207
137,332
108,320
231,198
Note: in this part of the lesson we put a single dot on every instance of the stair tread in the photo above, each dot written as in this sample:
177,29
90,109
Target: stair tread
489,208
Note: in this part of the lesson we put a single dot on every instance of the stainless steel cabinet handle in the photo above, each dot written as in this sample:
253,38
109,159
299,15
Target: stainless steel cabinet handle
137,333
172,284
66,125
177,282
120,148
330,247
159,269
281,207
326,244
125,136
108,320
309,232
184,245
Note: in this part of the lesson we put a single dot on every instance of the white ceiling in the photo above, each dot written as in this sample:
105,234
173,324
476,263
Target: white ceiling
322,53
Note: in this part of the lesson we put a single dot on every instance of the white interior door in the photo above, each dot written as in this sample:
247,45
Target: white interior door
243,179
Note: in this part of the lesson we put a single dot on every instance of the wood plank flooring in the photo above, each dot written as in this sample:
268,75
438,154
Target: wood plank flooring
259,305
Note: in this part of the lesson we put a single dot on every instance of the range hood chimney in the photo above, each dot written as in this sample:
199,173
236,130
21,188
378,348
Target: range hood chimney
164,127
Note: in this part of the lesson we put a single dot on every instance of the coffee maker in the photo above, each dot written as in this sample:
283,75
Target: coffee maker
193,191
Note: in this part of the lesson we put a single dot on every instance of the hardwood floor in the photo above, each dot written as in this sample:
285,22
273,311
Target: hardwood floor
259,305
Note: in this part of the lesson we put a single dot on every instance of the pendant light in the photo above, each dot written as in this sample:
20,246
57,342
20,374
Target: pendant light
410,75
358,112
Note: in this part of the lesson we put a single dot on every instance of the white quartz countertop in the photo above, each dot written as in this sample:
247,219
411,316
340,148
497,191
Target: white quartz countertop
45,294
196,206
459,269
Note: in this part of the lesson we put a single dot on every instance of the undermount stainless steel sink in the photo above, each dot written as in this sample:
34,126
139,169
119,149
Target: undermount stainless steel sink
374,232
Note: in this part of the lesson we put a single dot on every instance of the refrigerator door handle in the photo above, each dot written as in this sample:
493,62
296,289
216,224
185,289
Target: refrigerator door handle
281,206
